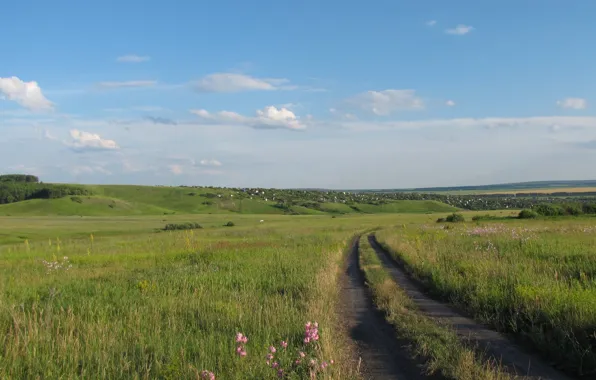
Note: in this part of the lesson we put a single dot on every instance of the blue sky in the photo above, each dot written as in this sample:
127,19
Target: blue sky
361,94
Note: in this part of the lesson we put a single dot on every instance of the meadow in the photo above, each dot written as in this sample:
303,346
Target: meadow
533,279
78,300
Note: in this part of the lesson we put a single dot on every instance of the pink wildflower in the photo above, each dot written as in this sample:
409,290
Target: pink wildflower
272,349
280,373
313,362
284,344
241,338
302,354
311,332
207,375
331,361
324,365
275,365
269,356
297,362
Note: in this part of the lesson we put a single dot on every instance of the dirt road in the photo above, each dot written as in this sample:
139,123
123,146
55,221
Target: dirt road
383,355
496,345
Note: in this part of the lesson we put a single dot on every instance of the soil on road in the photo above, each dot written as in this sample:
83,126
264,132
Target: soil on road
497,346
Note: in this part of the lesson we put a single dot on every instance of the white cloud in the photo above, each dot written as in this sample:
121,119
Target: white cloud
176,169
573,103
231,82
460,30
84,140
268,118
211,162
27,94
128,84
133,58
450,103
386,102
431,23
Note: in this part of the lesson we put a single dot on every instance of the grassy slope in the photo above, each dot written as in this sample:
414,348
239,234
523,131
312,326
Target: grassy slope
119,200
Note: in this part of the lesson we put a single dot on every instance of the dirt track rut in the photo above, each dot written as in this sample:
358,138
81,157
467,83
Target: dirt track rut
383,355
493,343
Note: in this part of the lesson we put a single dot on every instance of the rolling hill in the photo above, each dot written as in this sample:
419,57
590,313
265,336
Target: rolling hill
120,200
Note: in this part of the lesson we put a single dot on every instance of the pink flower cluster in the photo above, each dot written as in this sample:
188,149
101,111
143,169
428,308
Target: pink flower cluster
208,375
311,332
241,339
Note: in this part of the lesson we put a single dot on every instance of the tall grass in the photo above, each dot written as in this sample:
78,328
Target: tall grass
535,279
168,305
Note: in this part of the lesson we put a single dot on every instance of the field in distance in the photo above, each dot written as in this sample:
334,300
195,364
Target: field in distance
121,200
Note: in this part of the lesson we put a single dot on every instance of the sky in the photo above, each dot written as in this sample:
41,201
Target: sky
311,93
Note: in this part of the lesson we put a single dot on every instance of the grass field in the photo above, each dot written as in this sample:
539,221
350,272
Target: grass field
116,296
534,279
137,303
120,200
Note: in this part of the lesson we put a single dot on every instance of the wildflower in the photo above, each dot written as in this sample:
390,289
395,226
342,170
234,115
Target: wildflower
324,365
297,362
302,354
272,349
241,338
207,375
284,344
331,361
311,332
240,351
275,365
280,373
313,362
269,356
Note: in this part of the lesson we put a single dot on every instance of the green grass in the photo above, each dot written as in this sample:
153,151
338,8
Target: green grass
438,344
142,303
119,200
534,279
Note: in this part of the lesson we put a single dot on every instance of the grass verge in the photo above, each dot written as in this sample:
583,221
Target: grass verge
438,344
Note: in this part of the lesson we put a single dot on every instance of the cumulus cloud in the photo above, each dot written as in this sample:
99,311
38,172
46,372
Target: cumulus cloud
128,84
431,23
231,82
386,102
27,94
133,58
89,141
573,103
460,30
450,103
268,118
211,162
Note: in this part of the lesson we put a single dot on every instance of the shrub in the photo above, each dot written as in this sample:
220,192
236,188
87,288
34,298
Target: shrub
182,226
455,218
589,208
527,214
548,210
76,199
441,220
229,224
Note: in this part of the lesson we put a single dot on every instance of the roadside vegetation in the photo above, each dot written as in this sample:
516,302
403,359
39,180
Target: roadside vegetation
531,278
437,344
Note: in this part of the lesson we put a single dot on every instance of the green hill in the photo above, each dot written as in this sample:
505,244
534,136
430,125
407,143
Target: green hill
119,200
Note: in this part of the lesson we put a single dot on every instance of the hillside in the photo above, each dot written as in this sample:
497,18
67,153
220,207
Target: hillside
118,200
